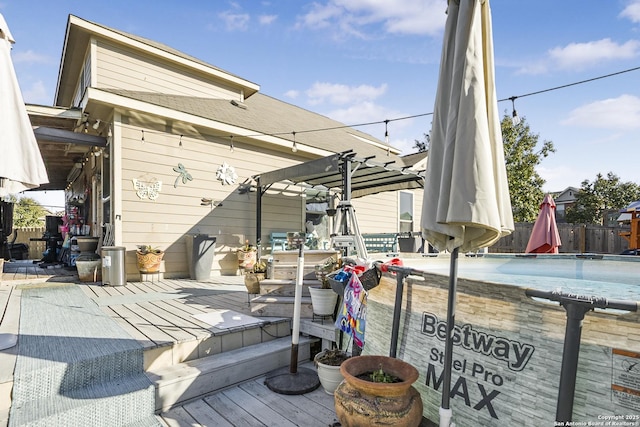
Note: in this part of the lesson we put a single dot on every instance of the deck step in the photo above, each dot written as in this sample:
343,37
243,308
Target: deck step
189,380
218,342
99,404
286,287
280,306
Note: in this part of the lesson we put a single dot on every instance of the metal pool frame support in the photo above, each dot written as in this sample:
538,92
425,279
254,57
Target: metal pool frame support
576,307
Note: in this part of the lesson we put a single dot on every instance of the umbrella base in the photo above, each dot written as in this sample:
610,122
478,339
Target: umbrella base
283,381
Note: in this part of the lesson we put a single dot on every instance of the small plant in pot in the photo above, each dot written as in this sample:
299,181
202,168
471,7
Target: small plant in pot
323,298
378,391
247,256
149,258
253,277
328,363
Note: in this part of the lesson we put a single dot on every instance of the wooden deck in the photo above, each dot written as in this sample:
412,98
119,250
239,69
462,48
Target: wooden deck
160,316
253,404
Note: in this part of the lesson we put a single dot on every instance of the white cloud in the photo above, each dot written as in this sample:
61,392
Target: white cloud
235,21
28,56
582,55
36,94
621,113
267,19
339,94
293,94
632,11
351,17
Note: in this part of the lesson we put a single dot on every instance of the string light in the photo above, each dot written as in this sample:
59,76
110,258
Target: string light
142,135
386,136
515,116
231,148
515,119
180,143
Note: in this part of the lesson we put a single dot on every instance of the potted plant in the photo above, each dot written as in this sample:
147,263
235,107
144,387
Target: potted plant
377,391
149,258
328,364
247,256
323,298
253,277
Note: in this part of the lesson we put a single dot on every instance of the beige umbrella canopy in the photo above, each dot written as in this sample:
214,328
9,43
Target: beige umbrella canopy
21,165
466,203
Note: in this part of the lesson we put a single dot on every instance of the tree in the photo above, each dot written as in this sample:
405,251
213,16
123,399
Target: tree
28,212
596,198
525,184
423,145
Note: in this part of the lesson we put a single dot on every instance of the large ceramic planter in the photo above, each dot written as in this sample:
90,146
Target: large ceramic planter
359,402
252,282
246,259
330,375
149,262
323,301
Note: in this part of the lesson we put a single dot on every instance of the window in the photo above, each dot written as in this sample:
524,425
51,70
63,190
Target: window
406,212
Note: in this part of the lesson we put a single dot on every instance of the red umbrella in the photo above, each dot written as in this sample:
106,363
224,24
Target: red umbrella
545,238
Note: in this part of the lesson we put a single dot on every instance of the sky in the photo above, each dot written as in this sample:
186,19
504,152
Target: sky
367,61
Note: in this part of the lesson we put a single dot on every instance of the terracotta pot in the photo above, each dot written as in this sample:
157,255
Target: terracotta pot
149,262
252,282
359,402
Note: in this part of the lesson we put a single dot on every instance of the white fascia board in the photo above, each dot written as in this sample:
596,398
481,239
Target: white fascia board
122,102
377,144
93,28
46,111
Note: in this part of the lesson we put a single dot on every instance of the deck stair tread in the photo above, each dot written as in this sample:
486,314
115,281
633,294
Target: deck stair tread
195,378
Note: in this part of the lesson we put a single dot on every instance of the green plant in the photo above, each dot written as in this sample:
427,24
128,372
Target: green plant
148,249
248,247
380,376
327,266
259,267
333,357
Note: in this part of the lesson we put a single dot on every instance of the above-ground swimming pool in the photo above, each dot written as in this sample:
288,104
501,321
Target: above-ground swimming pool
508,347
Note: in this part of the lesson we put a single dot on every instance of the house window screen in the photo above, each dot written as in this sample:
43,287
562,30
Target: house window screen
406,212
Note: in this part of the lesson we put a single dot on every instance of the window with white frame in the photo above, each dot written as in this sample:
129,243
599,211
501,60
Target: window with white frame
405,216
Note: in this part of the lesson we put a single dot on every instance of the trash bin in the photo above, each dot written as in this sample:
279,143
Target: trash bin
113,266
200,251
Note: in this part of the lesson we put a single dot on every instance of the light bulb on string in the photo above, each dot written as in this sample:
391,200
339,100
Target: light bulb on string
386,136
231,148
180,142
142,130
294,148
515,119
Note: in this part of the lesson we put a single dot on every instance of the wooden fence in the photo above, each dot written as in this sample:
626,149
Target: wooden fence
36,248
575,239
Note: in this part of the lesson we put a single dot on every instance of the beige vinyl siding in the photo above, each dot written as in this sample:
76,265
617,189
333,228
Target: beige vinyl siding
119,67
377,213
178,211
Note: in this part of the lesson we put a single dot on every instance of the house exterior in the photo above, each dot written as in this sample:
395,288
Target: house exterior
564,200
177,143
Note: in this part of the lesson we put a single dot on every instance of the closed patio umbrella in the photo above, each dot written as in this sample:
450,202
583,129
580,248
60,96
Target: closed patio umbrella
21,165
466,203
545,238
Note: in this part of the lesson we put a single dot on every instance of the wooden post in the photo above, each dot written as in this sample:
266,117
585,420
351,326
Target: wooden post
583,238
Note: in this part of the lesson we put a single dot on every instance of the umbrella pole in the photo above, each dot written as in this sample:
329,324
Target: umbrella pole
445,410
294,380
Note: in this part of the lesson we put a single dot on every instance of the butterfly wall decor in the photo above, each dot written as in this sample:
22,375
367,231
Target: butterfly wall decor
149,191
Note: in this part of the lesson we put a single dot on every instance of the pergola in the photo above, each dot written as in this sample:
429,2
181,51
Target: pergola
351,175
